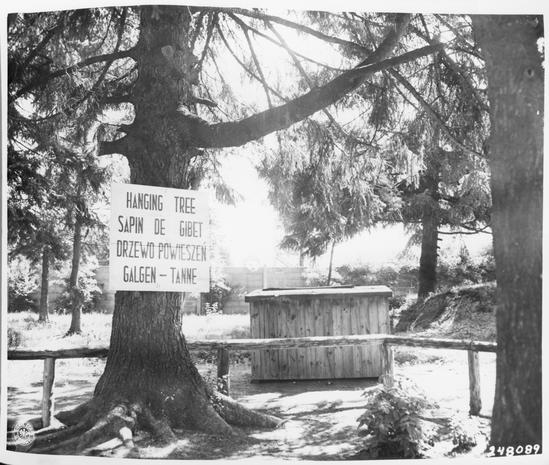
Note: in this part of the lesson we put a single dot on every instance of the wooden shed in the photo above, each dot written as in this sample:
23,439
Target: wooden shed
329,311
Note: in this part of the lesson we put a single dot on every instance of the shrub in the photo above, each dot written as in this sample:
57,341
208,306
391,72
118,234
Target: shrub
216,299
396,301
465,270
212,308
22,282
464,435
14,338
86,293
391,424
451,271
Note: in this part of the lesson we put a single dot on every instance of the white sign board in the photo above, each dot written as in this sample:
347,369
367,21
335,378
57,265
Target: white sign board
159,239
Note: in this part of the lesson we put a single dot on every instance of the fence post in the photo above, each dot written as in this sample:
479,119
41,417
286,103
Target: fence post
48,378
475,403
387,364
223,382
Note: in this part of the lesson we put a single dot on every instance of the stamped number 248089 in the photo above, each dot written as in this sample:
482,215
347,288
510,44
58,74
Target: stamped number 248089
512,450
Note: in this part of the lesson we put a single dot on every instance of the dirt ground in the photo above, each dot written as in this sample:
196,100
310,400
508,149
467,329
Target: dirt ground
321,416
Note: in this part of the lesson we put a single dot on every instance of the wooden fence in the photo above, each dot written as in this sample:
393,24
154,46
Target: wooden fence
224,347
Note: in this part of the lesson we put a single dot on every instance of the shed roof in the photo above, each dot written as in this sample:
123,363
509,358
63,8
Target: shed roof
317,291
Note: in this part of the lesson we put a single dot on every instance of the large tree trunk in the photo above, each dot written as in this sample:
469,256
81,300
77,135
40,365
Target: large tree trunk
149,361
427,275
44,285
76,301
516,93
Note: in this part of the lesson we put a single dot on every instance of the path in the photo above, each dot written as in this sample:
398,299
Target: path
321,414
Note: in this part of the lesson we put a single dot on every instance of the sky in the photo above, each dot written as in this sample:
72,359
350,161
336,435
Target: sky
252,230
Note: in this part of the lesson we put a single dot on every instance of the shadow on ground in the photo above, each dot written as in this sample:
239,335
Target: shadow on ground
320,416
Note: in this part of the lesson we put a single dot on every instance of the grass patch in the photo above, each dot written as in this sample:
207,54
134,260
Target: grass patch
96,330
406,356
216,326
25,331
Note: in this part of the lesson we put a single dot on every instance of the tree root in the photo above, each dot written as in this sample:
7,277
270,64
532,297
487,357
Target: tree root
59,434
118,418
98,424
208,419
61,438
160,429
120,446
75,415
236,414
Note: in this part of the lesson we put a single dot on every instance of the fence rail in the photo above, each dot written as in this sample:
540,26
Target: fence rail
224,346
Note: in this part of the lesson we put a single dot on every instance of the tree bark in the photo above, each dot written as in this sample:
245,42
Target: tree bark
515,90
76,301
44,286
429,255
427,275
149,362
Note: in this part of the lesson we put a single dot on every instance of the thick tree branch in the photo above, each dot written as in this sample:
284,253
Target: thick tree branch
203,101
120,146
239,132
297,64
405,83
390,42
258,125
304,74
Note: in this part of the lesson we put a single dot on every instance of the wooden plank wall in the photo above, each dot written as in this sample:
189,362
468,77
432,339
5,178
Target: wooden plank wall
299,316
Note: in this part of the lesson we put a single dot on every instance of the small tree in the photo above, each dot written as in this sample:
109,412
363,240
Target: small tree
324,193
83,181
392,424
22,282
35,214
